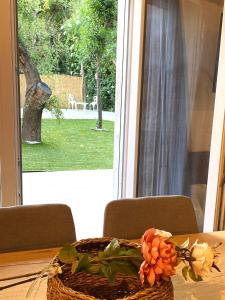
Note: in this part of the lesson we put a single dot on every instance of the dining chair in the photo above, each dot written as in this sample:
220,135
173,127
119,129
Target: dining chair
129,218
35,226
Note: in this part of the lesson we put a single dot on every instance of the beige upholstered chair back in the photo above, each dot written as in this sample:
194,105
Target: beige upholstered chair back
129,218
35,226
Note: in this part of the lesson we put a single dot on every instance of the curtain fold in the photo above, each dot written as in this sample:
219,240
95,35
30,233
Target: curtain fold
163,138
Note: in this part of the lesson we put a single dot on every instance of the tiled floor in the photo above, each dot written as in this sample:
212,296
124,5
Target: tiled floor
86,192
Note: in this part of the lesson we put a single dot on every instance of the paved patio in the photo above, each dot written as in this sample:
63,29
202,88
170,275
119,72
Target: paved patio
86,192
81,114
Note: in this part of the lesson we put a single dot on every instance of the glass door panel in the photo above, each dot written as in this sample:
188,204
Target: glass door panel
67,53
182,39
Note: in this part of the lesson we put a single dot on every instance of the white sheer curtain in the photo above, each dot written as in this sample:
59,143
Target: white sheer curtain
163,144
181,42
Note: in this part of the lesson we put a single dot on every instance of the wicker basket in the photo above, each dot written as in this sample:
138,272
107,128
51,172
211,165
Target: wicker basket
84,286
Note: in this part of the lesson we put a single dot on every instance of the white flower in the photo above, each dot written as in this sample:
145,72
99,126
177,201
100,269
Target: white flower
163,233
204,258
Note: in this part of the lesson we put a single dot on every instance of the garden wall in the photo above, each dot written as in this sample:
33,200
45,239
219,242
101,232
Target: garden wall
61,86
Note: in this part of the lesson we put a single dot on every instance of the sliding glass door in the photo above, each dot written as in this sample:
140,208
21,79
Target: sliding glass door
182,40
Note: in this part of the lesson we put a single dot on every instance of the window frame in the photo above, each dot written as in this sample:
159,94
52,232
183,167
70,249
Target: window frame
127,116
212,198
129,70
10,153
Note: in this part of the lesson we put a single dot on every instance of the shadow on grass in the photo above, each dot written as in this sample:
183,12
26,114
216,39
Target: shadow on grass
41,145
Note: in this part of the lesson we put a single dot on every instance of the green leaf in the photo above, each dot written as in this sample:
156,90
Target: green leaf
74,266
101,254
68,254
194,276
110,269
108,272
112,249
130,252
125,267
185,272
84,263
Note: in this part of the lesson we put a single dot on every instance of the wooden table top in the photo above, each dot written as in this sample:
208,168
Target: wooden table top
20,263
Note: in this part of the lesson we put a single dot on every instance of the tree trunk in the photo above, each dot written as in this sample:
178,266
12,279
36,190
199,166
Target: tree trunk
98,91
37,94
83,83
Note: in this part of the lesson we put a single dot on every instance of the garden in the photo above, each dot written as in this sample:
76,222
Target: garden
74,40
70,145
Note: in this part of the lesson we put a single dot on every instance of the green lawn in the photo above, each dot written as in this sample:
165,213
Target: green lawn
70,145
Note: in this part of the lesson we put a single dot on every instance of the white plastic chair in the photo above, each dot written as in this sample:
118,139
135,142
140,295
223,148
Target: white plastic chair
72,102
82,104
94,103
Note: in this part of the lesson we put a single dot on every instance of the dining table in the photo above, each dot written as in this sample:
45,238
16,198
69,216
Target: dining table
13,265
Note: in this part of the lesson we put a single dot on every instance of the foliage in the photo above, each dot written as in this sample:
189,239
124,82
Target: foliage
68,145
90,34
39,31
113,259
34,35
53,105
155,259
60,35
98,41
108,71
57,11
96,20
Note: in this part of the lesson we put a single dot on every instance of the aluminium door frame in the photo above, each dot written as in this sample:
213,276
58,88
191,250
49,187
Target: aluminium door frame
10,152
131,17
211,218
129,68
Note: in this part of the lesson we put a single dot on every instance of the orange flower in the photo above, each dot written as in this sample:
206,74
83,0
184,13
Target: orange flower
160,256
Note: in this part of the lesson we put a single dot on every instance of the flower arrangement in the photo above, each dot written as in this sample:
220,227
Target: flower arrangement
155,259
162,255
105,268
